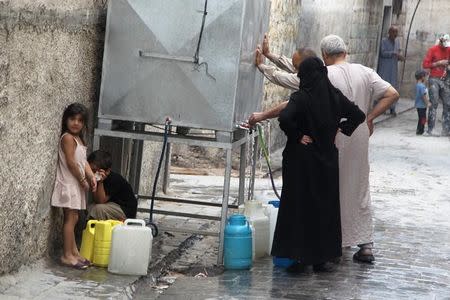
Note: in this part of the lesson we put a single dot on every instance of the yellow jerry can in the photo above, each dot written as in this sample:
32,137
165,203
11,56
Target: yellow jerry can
102,241
87,241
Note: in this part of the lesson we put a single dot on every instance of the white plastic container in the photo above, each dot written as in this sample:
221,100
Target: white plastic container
131,248
272,213
254,212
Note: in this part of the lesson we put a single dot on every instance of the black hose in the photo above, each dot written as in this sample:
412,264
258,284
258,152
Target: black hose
273,183
266,156
155,183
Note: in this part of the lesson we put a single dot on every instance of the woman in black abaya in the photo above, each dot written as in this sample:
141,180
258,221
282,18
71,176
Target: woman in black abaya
308,227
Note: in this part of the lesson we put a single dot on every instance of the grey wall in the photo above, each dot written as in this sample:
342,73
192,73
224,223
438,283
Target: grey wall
358,22
50,56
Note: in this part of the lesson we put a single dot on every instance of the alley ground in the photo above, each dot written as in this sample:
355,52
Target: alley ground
410,178
409,183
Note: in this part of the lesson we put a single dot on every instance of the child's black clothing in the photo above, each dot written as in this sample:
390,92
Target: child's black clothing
121,192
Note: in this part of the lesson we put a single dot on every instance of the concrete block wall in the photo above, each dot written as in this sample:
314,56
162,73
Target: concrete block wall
50,56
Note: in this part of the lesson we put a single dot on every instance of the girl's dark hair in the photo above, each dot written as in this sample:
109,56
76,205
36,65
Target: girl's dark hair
73,110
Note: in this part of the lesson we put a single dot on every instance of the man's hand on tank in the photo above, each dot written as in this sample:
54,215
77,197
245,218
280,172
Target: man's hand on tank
259,58
265,47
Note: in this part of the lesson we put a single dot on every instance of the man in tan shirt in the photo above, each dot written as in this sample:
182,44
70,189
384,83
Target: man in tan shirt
284,73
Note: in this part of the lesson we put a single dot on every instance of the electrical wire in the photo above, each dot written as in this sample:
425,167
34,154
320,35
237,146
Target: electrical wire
197,51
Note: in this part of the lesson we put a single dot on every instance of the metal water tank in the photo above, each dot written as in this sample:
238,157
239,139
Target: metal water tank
190,60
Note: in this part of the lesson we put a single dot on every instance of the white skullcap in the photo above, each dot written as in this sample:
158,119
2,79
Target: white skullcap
332,45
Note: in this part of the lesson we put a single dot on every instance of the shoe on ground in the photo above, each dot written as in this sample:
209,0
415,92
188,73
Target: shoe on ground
296,268
360,256
430,133
324,267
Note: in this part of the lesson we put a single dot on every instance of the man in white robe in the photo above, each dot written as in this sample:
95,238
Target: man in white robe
363,86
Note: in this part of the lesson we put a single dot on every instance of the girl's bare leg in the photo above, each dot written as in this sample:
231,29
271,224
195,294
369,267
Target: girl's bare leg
75,251
70,219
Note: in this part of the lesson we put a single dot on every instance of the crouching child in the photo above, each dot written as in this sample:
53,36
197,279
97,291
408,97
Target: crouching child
114,198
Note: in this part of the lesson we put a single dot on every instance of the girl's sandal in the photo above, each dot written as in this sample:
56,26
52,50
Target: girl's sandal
86,262
78,266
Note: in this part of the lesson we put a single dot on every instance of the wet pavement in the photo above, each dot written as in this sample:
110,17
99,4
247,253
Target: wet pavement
411,201
409,182
48,280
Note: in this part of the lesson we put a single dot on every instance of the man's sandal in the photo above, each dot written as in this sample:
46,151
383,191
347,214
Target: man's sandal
365,258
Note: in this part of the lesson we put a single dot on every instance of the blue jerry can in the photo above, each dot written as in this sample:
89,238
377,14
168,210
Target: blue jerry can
237,243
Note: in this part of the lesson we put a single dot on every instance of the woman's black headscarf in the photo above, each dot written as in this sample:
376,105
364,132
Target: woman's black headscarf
321,99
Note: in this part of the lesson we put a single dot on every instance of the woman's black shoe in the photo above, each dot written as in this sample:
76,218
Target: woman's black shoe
323,267
296,268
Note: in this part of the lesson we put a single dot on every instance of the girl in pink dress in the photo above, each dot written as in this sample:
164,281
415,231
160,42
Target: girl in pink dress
73,178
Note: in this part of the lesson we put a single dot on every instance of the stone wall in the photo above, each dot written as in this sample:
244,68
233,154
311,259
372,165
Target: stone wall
50,56
283,34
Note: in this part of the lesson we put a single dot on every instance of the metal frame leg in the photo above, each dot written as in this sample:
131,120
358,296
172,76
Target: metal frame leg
226,194
242,166
96,143
252,179
136,164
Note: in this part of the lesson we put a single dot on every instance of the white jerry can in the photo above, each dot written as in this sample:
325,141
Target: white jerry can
131,248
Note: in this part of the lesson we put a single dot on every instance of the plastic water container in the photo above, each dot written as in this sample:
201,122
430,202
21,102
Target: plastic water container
282,262
237,243
254,212
87,240
272,213
131,248
102,241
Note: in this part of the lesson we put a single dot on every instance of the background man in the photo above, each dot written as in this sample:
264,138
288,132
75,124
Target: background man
389,58
437,61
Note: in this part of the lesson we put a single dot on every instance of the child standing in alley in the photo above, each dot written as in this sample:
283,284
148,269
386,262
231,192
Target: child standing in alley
422,100
73,179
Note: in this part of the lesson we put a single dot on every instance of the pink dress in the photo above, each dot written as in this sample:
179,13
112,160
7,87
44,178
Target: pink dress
68,191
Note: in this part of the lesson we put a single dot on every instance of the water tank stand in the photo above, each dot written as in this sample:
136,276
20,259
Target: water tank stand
228,141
